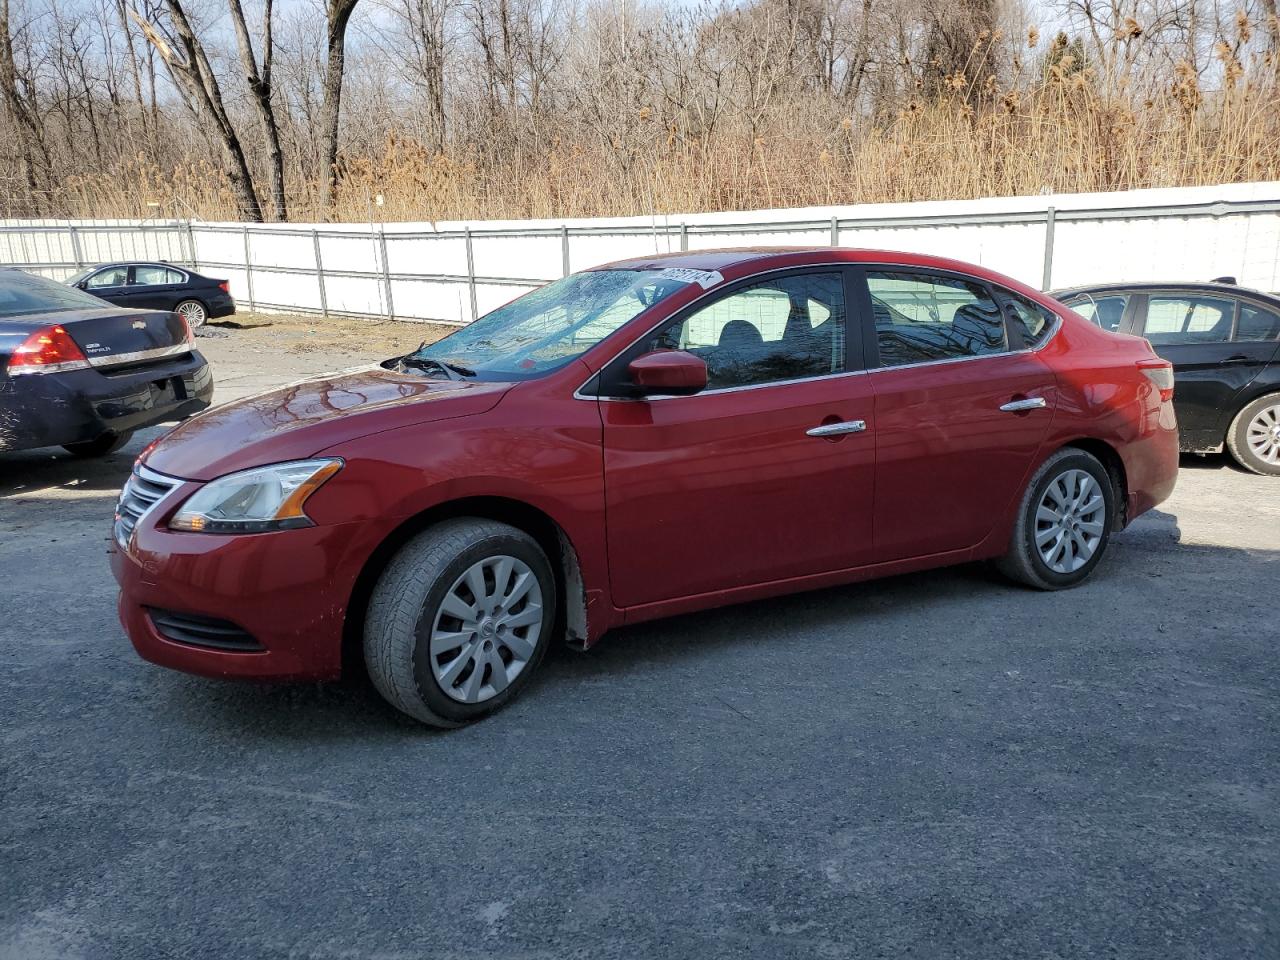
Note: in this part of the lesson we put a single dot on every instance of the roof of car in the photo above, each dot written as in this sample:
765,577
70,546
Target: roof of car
737,262
1209,286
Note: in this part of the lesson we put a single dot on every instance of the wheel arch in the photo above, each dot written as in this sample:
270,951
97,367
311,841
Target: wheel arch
1113,463
549,534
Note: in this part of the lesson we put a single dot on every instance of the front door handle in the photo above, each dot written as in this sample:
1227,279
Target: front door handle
836,429
1027,403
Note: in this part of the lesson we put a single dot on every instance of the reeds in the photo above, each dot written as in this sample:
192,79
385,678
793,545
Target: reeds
1062,134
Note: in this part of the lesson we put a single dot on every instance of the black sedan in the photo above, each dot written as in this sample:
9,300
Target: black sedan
1224,344
159,286
79,373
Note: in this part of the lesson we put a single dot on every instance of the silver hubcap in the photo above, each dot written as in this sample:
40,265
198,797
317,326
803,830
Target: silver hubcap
486,629
1069,521
1264,434
193,313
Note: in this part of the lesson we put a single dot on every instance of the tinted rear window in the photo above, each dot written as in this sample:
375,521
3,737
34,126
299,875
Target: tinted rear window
22,294
1105,310
1257,324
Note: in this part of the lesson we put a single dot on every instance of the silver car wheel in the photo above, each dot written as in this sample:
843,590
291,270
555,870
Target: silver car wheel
1070,521
192,312
1263,434
486,629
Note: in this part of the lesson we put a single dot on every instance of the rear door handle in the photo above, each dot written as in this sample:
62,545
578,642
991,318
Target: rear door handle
1238,358
1028,403
836,429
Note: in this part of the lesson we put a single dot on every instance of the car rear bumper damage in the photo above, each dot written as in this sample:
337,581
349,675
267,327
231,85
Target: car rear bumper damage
73,406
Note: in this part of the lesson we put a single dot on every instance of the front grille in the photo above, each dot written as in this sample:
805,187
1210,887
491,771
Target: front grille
141,491
201,631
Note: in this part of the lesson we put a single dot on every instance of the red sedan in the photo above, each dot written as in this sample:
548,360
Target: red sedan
647,438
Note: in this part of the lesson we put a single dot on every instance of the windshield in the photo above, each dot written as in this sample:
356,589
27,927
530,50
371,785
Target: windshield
22,294
545,329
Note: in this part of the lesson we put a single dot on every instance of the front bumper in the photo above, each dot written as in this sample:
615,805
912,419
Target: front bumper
51,409
287,590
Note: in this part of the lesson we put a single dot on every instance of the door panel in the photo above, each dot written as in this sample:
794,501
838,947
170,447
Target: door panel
111,284
1191,331
728,489
948,459
152,287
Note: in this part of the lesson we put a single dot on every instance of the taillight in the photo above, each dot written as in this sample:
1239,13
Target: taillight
1159,372
49,350
225,286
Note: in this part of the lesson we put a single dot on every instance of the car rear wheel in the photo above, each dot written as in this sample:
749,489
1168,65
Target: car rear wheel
193,312
1254,436
1064,522
99,447
459,621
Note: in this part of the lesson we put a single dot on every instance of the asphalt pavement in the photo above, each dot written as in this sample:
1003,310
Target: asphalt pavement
934,765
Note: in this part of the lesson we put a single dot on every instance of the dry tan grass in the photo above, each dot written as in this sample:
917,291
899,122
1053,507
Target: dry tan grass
1063,135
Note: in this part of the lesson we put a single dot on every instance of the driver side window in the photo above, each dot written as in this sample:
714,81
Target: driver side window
791,328
110,277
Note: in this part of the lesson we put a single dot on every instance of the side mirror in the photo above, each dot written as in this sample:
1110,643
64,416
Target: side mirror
83,284
670,372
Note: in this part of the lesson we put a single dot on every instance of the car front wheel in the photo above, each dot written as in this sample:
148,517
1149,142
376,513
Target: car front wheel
1064,522
459,621
1254,436
193,312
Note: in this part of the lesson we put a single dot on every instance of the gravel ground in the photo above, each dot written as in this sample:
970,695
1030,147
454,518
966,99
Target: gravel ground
935,765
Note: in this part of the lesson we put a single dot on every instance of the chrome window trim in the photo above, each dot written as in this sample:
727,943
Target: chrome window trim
1053,332
119,359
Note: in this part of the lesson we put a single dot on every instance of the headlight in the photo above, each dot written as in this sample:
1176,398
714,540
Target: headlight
254,501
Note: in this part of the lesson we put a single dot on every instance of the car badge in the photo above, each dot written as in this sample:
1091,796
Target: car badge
139,324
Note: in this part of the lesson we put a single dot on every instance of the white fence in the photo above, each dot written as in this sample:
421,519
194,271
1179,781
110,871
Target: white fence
453,272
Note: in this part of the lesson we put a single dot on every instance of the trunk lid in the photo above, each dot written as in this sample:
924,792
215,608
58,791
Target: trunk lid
115,336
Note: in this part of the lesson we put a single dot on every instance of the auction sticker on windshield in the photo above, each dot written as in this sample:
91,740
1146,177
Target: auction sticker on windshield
703,278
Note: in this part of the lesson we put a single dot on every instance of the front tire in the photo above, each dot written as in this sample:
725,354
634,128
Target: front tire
1064,523
100,446
192,311
1254,436
459,621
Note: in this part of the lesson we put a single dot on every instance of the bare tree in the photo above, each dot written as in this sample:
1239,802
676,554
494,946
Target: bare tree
337,16
193,73
259,81
31,140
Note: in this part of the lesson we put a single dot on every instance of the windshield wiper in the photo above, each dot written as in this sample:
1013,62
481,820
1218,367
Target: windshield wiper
454,371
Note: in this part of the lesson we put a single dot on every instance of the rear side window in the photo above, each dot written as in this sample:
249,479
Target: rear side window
1173,319
922,317
1257,324
22,294
1105,312
1033,321
149,275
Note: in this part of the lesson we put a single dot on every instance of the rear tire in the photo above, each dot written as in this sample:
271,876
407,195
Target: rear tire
1064,523
100,447
1254,436
459,621
192,311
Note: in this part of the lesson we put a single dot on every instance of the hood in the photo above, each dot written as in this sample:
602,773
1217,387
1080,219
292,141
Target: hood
299,420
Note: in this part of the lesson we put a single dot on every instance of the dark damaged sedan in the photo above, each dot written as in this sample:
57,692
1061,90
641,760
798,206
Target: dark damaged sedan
82,374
